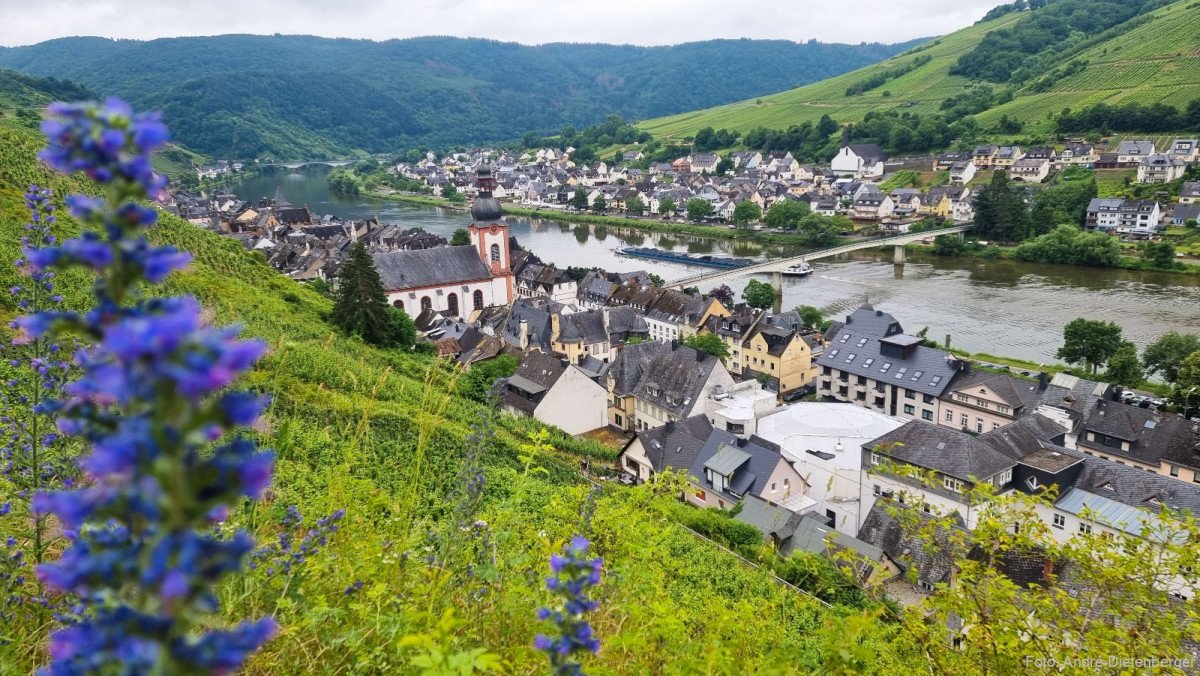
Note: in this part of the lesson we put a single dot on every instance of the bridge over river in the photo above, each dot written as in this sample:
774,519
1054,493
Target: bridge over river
305,163
776,266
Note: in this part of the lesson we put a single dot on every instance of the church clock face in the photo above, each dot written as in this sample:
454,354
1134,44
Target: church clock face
494,230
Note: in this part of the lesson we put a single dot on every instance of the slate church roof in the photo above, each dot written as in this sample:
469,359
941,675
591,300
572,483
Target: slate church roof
430,267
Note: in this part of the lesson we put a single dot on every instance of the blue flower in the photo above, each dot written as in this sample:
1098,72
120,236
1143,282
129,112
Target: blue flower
574,576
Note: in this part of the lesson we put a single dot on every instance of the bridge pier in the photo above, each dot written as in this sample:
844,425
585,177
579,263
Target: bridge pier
898,258
777,282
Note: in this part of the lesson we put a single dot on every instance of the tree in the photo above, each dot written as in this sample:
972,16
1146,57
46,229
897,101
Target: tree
1090,341
786,214
460,237
478,382
758,294
724,166
698,209
361,308
635,205
579,200
666,206
722,294
1000,210
746,213
656,280
1160,254
451,193
599,205
708,343
1167,353
401,329
1187,383
1124,367
812,317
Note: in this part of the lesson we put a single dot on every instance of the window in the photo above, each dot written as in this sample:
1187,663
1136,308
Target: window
862,380
926,508
773,489
927,415
961,397
909,394
851,357
426,303
949,416
1085,528
1003,408
701,495
927,398
952,484
979,425
868,362
886,365
785,483
452,304
1060,521
1005,477
908,409
399,304
1174,470
833,352
878,490
965,420
875,459
495,253
981,403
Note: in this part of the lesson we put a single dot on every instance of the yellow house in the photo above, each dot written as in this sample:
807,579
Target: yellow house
782,355
935,204
692,325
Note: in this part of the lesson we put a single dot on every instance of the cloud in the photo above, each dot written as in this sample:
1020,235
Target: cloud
645,22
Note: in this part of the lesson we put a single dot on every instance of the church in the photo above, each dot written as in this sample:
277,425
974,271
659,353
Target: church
455,280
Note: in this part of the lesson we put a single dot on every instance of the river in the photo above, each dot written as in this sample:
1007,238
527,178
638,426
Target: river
1000,307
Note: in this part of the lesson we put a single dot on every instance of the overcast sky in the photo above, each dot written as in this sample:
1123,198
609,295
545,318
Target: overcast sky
645,22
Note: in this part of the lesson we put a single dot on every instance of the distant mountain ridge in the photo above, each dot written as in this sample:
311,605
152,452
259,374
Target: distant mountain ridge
303,96
1027,64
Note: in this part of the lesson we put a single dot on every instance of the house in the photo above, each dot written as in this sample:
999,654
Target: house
733,330
984,157
981,401
1184,213
535,279
1042,153
455,279
749,159
671,446
1190,193
704,162
822,441
675,314
632,156
1186,150
1134,436
872,205
1078,155
906,200
1006,156
738,409
862,160
579,335
952,462
1131,153
1122,215
962,172
1160,168
869,361
946,161
936,204
728,469
651,384
826,205
557,393
1030,170
908,549
779,355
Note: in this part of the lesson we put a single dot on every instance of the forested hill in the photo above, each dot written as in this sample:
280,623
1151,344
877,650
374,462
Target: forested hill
296,96
1015,72
19,91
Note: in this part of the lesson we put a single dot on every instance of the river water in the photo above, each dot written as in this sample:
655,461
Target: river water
1001,307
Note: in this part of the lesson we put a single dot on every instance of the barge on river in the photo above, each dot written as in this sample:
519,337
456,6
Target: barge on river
706,260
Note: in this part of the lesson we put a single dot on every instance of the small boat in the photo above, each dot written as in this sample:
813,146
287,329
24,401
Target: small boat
801,269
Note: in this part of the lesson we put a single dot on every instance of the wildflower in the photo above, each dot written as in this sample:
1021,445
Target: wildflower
147,403
574,575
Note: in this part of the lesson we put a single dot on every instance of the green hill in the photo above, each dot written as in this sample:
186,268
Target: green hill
1109,52
385,436
301,97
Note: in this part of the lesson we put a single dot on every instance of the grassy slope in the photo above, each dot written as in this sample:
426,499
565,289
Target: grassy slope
376,433
1156,61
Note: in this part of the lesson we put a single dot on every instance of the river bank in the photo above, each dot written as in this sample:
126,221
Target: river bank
647,224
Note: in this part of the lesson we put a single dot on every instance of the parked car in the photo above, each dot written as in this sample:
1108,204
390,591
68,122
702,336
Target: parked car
799,393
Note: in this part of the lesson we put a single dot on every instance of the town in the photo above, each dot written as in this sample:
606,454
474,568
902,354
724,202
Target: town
809,430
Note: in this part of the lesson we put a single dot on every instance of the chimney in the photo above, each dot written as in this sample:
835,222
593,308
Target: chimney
1047,570
524,337
670,426
1043,381
700,356
879,313
674,345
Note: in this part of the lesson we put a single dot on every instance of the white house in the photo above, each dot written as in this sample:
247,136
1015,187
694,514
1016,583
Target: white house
962,172
863,160
1030,170
1160,168
557,393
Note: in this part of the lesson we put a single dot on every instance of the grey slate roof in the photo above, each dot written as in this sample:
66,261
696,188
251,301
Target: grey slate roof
586,327
675,445
624,322
776,523
673,380
1015,392
1152,436
933,561
942,449
1018,439
631,364
1135,487
813,535
856,349
750,475
430,267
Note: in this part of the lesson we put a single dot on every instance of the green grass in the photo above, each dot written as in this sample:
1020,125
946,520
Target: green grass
1156,61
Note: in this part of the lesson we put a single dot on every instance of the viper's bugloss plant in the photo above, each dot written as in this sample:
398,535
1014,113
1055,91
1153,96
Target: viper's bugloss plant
32,455
574,575
164,459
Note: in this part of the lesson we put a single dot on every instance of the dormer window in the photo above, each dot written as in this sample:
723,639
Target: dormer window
1109,487
1032,483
